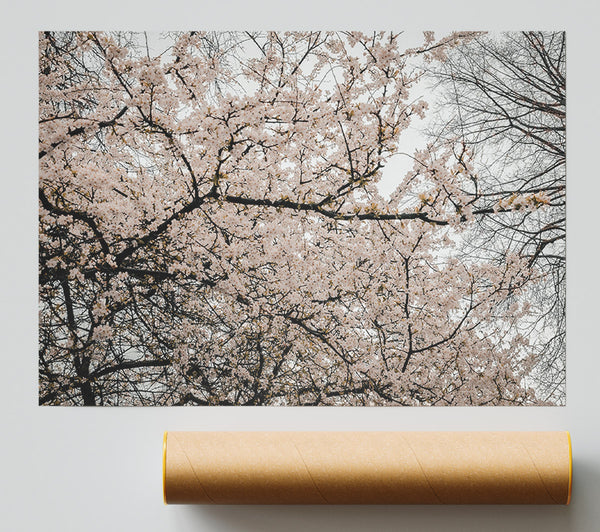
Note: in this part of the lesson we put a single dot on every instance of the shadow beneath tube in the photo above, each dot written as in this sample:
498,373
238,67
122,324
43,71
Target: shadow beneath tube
484,518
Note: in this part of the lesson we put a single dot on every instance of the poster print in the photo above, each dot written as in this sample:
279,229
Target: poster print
302,218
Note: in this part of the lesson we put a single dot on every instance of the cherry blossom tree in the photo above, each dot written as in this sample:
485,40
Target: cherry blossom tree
212,231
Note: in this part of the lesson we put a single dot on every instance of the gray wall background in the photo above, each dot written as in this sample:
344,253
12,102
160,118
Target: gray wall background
67,469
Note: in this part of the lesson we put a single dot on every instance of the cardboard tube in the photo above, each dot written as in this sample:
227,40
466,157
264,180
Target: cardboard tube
367,467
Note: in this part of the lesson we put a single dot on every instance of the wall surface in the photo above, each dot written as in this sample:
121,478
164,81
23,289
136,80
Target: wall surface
68,469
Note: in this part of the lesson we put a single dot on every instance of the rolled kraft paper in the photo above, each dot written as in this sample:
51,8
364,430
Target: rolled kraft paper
367,467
